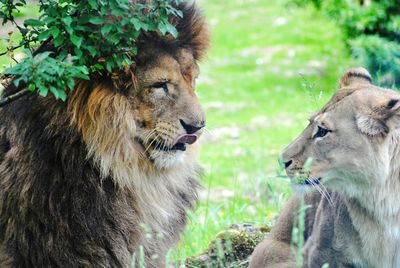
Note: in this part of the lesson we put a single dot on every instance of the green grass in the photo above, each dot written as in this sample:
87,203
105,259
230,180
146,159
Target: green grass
256,103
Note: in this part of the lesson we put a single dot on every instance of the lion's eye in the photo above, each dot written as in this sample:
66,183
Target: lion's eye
322,132
162,85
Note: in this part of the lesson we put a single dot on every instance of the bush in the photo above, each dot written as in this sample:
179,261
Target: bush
381,56
372,32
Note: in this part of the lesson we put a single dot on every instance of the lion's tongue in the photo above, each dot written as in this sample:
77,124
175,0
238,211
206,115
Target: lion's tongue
187,138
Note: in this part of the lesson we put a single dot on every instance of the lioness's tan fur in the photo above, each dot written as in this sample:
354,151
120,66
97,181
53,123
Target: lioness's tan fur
358,161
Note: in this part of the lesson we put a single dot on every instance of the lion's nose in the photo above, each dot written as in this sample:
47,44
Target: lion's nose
190,129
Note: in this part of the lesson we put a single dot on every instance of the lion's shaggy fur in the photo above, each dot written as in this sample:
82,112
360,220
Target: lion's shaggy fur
76,186
358,161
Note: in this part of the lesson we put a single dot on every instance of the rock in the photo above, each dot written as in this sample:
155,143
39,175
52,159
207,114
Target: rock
230,248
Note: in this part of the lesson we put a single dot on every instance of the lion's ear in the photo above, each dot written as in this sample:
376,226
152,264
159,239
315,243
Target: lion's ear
354,76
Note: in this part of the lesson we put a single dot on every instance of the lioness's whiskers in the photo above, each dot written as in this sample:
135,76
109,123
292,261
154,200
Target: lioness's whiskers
327,194
315,186
321,191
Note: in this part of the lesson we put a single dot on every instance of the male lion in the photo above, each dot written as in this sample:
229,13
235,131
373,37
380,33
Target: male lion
109,174
354,144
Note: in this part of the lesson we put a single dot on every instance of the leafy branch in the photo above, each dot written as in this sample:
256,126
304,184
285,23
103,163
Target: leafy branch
84,37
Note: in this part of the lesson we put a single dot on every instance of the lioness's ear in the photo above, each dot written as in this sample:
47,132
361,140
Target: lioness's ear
378,120
386,107
356,75
371,126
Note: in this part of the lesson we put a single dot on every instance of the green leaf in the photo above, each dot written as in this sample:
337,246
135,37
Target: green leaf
118,12
44,35
137,24
93,4
96,67
110,65
54,31
43,91
67,21
82,76
62,95
172,30
55,92
70,83
127,60
92,51
106,29
33,23
76,40
78,52
97,20
58,41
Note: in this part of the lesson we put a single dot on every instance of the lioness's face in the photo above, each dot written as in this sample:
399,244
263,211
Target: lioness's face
169,118
347,145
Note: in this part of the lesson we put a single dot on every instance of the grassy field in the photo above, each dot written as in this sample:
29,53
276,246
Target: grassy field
269,68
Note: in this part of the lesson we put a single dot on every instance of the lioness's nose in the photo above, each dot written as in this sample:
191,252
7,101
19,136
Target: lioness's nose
288,163
190,129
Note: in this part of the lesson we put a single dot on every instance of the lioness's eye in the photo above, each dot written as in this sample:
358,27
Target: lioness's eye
321,132
162,85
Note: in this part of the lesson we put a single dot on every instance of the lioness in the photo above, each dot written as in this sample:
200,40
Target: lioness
354,144
107,177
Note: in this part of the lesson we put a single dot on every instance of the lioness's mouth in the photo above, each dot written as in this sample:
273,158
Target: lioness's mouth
312,181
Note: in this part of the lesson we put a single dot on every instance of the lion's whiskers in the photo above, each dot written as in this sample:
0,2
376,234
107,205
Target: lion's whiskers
206,130
151,143
149,135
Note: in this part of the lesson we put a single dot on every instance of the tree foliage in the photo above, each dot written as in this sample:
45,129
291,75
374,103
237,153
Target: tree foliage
82,37
372,32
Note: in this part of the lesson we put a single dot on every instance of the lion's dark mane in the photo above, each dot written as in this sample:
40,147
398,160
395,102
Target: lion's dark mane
55,209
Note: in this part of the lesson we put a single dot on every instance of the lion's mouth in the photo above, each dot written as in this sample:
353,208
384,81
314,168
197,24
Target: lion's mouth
179,143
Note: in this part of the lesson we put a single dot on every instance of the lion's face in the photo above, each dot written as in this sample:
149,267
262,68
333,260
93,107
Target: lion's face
348,144
168,116
145,119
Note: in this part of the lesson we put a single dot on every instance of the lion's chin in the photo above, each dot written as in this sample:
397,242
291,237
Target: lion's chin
167,159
